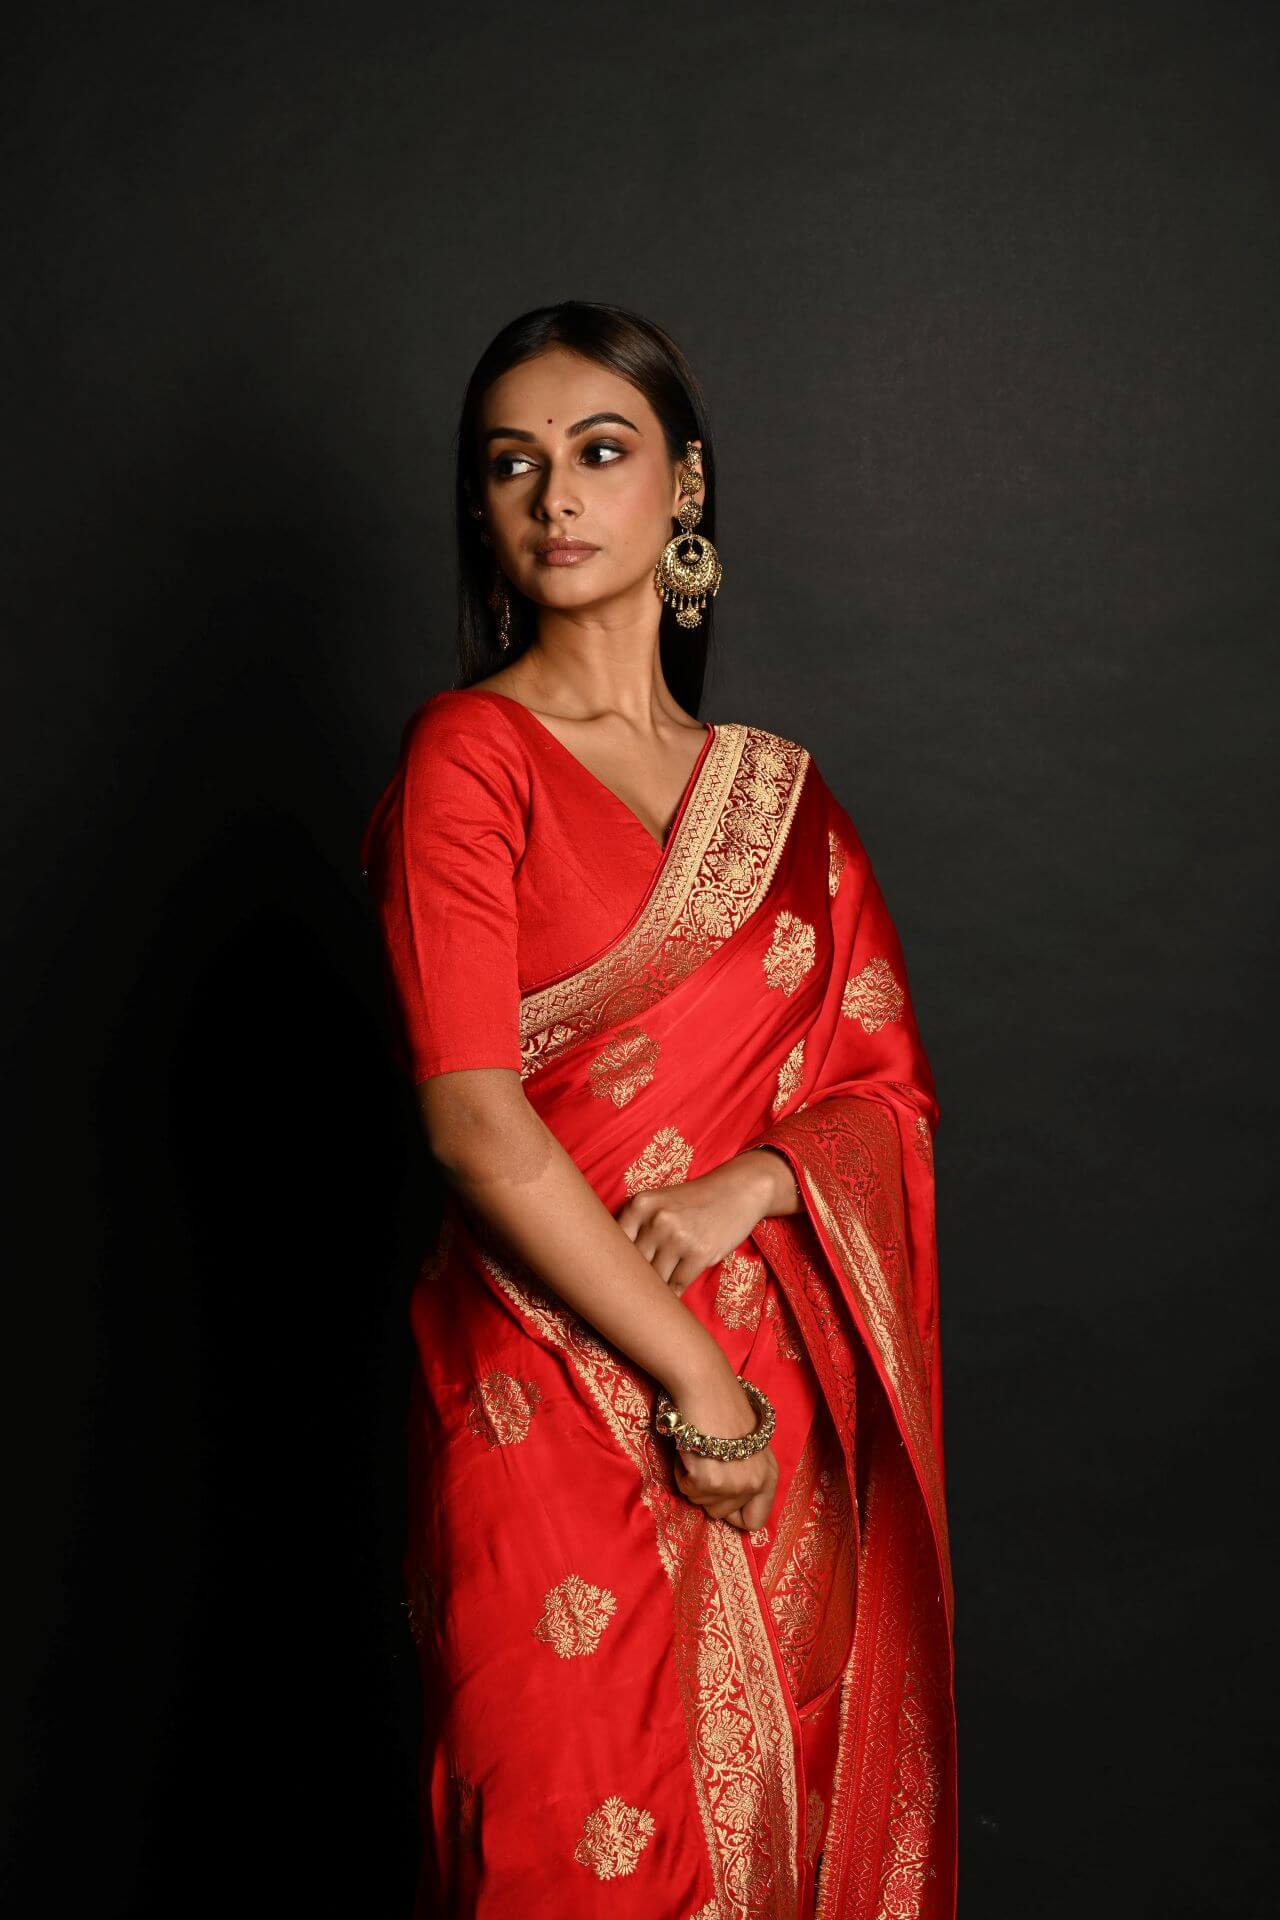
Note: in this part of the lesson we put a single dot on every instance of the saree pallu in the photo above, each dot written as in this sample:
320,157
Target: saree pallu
630,1706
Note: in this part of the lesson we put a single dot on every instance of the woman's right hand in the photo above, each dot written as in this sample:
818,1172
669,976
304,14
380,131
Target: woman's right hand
739,1491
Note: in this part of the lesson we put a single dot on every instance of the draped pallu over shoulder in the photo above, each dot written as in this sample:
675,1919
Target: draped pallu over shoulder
727,1726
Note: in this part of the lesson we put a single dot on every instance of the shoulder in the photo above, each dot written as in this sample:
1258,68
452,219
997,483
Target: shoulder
452,720
462,768
463,741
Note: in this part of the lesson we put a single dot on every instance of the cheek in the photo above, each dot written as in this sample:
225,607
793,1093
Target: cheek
638,514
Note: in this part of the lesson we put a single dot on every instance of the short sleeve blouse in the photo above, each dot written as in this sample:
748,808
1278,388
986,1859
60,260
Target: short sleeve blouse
440,854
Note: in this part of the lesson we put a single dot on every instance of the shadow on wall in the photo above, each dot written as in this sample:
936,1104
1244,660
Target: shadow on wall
225,1669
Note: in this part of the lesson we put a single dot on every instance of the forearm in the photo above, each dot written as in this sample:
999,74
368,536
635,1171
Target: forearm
511,1170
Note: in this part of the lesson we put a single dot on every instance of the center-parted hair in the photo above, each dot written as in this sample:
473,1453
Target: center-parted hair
649,358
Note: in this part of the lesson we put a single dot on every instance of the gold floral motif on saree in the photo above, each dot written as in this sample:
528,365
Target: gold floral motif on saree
790,1074
835,861
740,1290
613,1838
574,1615
710,1912
663,1163
501,1408
714,874
792,951
873,996
924,1141
625,1065
745,1781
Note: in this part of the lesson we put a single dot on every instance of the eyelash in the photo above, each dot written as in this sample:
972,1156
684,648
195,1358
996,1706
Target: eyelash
602,446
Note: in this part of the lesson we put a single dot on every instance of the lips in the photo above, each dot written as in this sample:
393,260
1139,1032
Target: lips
565,553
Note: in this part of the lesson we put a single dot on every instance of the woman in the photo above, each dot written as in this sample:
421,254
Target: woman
659,1024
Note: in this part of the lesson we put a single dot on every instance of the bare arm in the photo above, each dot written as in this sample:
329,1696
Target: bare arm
509,1168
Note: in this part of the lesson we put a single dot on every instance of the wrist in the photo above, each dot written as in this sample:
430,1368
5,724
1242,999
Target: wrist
701,1370
775,1184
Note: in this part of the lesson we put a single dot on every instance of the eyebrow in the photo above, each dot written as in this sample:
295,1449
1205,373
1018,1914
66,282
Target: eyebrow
579,426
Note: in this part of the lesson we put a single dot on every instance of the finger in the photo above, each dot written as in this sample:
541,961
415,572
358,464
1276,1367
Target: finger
685,1272
634,1212
757,1510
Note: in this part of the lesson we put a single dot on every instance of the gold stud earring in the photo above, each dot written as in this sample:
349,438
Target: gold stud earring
689,569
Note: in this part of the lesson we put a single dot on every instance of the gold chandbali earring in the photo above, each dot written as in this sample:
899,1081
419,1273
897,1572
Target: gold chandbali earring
689,569
499,599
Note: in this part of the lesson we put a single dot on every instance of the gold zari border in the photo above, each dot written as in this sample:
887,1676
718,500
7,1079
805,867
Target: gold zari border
890,1324
741,1748
715,872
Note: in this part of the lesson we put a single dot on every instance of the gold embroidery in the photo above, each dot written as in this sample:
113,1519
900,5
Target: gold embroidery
891,1737
710,1912
835,861
792,951
897,1686
760,1537
663,1163
501,1408
748,1798
785,1335
918,1778
850,1154
924,1141
625,1065
873,997
714,875
574,1615
809,1580
740,1290
613,1838
790,1074
814,1811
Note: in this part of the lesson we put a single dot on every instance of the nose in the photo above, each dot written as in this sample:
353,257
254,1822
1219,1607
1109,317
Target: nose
559,498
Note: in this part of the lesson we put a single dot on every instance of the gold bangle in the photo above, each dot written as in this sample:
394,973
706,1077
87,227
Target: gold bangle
671,1423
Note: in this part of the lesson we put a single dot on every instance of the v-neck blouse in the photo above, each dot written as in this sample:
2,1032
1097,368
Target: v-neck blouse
497,862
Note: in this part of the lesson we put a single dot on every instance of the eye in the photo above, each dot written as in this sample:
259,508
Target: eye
503,465
496,466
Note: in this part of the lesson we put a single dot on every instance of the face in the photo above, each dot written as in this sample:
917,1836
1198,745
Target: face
570,450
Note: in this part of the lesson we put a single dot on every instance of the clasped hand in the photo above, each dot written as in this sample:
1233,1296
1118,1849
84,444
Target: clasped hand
683,1230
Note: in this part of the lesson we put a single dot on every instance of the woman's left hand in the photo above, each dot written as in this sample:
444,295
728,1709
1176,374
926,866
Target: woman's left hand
685,1229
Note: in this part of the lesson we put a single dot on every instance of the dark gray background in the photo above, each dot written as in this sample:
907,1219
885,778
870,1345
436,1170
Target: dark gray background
983,298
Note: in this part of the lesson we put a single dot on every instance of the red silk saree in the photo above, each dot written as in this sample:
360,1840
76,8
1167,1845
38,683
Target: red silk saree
630,1706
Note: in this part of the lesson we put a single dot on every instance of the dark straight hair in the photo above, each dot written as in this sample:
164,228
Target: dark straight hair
642,353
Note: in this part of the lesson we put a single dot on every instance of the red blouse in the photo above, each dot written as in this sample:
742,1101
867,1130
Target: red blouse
497,863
